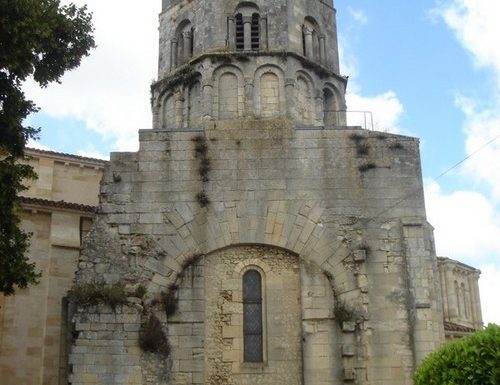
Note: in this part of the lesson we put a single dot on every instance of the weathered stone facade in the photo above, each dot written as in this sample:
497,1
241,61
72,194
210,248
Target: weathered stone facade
370,302
461,303
250,166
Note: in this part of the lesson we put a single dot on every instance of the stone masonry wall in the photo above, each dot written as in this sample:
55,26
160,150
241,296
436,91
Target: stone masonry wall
348,203
224,322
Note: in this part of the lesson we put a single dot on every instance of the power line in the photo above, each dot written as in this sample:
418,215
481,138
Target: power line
467,157
435,179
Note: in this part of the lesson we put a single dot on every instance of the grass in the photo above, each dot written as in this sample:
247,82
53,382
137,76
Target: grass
89,294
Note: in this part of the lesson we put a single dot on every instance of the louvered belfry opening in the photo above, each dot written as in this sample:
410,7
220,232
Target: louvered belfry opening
239,35
252,316
255,31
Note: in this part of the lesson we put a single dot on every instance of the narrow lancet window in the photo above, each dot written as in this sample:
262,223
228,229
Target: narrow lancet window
252,316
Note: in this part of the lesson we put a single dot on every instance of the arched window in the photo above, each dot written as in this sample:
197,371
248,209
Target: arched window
228,96
269,95
329,113
168,118
182,44
303,103
247,27
252,317
194,105
313,42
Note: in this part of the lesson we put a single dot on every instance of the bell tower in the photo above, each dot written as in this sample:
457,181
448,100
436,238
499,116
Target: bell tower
223,60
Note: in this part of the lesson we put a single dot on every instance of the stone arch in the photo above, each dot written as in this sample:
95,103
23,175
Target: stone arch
247,7
297,307
228,93
167,110
269,96
332,110
281,310
304,98
247,27
313,40
194,104
182,43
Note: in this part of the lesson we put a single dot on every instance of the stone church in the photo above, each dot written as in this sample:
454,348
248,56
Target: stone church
256,237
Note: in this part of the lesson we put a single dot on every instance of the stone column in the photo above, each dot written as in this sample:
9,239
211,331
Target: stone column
156,110
322,49
231,38
308,39
444,290
173,53
188,44
290,100
186,108
247,33
451,296
207,100
179,109
476,301
264,44
317,108
249,95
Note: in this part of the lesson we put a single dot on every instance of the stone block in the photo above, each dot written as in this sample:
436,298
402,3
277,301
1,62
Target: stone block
348,326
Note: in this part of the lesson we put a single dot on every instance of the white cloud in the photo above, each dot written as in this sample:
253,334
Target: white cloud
467,225
476,26
467,228
482,129
358,15
468,222
93,154
384,110
110,90
489,287
37,145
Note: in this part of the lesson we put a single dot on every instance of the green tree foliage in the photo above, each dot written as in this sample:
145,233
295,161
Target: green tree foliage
41,39
474,360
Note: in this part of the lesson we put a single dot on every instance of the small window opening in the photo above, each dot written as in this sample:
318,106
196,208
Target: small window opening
252,316
303,42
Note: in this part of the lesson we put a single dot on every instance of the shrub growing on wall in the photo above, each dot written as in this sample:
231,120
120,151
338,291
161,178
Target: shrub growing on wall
474,360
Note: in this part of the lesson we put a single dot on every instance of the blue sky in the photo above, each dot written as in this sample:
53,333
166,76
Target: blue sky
426,68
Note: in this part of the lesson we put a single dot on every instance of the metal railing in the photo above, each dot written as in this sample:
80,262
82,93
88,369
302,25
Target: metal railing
334,118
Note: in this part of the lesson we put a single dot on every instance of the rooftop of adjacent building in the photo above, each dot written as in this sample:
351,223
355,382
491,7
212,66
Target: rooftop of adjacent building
65,181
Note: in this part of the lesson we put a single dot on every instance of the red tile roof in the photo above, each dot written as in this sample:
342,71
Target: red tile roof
58,204
453,327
